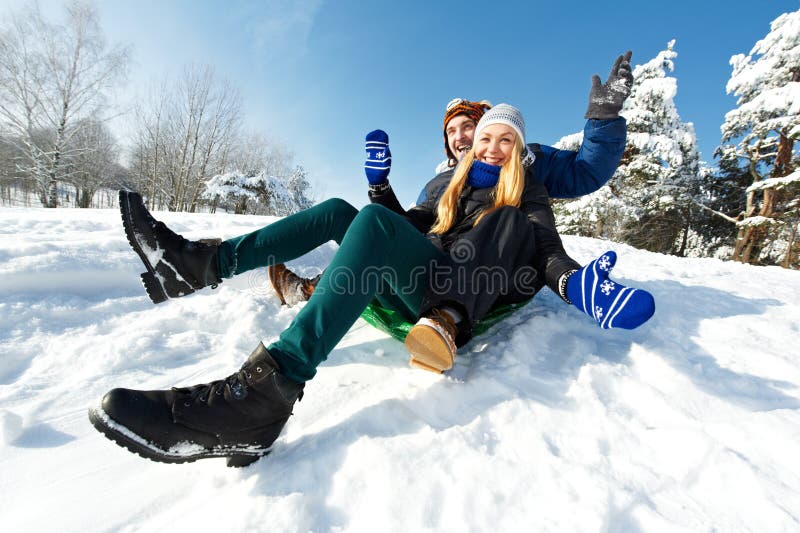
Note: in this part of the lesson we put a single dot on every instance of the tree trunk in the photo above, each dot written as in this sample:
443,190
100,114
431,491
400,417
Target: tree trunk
751,241
598,229
791,253
52,193
154,171
84,198
682,250
240,206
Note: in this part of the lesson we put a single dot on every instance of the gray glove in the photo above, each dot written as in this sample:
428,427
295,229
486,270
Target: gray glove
606,99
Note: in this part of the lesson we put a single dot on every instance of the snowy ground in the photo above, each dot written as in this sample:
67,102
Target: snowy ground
690,423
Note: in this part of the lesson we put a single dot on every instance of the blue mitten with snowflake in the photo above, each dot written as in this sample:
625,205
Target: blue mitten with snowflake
379,158
611,304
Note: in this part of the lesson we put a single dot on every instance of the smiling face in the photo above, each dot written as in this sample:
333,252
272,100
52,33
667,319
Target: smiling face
495,144
460,133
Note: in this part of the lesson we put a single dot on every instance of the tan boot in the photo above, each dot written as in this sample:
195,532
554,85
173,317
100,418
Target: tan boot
431,342
290,287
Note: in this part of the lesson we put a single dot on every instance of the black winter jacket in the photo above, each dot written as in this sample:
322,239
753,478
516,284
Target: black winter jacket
472,202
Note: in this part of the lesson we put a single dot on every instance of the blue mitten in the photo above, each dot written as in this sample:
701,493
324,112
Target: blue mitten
379,158
611,304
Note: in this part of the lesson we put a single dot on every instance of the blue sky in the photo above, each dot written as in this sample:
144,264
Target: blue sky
320,74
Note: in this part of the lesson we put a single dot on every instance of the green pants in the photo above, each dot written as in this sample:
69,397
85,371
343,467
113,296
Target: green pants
380,255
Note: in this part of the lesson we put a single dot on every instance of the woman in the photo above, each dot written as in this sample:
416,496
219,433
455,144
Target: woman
380,255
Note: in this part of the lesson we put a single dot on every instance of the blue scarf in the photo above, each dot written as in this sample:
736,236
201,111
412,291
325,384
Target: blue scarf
483,175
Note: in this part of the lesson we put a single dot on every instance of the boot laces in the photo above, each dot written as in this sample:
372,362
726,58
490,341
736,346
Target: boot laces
237,383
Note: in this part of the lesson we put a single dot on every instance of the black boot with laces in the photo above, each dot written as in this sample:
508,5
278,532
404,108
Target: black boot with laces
238,417
175,266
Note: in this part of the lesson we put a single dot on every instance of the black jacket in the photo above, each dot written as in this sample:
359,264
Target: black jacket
472,202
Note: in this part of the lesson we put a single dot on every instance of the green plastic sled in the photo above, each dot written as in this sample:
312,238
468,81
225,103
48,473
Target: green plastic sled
395,324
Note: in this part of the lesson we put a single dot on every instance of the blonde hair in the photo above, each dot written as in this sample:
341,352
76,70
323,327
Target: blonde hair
508,190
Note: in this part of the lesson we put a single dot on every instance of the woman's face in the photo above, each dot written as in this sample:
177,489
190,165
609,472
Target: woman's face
495,144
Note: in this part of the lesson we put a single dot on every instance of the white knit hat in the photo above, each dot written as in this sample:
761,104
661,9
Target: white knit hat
503,114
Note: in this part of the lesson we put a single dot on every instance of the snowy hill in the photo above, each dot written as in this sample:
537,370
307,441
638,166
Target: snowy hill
690,423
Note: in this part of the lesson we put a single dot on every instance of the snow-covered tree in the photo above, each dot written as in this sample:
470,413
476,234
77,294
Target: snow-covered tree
259,194
650,201
299,188
758,140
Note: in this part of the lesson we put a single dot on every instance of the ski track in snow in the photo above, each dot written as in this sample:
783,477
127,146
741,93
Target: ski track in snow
689,423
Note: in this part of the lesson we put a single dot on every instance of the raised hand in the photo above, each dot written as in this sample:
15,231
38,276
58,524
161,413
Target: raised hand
606,99
379,158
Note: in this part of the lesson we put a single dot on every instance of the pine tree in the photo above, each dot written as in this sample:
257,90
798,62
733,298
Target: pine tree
714,230
651,200
758,141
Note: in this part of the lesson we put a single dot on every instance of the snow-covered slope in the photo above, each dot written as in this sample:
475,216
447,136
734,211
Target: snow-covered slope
688,423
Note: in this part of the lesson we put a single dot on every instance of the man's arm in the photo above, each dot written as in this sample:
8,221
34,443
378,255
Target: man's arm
421,216
377,168
568,174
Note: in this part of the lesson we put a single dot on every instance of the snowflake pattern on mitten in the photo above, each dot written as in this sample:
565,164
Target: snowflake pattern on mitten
611,304
379,157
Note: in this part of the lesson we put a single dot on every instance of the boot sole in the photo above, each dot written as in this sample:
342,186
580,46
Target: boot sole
429,350
422,366
153,287
237,456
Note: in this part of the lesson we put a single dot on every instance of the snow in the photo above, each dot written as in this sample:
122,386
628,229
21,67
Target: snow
10,427
689,423
239,184
776,183
779,52
232,185
755,222
782,103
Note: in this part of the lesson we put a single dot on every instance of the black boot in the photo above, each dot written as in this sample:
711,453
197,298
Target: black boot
175,266
238,417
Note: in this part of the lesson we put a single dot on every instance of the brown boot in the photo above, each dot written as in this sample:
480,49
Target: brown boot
431,342
290,287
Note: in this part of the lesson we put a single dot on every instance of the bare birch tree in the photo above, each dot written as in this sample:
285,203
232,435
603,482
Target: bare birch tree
186,133
51,76
92,160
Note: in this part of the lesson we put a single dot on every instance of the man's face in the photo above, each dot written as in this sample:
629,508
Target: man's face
460,134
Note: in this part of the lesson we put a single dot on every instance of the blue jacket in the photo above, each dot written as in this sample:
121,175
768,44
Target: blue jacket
568,174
